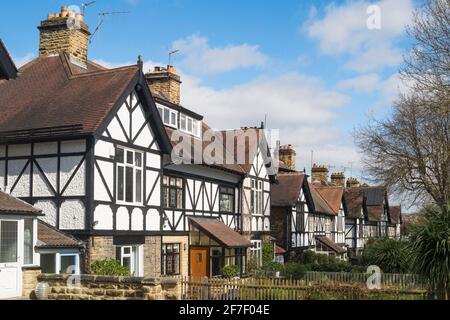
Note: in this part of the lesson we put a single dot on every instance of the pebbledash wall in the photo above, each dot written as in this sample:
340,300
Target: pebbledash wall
111,288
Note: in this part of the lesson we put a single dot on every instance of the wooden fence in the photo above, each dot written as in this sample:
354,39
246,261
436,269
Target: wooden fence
394,280
335,284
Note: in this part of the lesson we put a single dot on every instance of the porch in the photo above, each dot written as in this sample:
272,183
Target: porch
214,245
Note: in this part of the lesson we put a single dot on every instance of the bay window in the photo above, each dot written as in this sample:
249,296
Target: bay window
129,175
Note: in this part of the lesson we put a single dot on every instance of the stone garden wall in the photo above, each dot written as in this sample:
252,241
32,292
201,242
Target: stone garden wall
90,287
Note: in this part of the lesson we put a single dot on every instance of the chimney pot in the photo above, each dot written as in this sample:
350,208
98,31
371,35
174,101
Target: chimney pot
319,173
165,81
288,155
56,36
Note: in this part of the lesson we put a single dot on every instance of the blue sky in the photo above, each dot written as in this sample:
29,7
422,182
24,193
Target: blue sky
313,67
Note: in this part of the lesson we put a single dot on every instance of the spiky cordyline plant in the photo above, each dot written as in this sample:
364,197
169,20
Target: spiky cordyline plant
430,244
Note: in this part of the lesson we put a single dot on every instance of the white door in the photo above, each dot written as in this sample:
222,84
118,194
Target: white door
10,271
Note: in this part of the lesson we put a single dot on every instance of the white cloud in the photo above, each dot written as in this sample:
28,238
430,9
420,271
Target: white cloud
148,65
199,58
299,106
20,61
362,84
343,30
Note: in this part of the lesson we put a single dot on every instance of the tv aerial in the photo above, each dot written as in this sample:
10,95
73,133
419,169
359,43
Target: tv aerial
102,16
170,54
85,5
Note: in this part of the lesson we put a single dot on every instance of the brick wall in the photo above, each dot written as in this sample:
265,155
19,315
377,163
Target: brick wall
29,280
88,287
184,254
152,256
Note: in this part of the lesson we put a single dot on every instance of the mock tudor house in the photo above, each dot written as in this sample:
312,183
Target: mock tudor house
306,216
93,149
328,216
369,215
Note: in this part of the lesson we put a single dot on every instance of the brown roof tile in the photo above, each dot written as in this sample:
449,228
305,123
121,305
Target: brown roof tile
331,244
395,213
327,199
332,196
11,205
50,237
52,92
354,199
287,191
221,233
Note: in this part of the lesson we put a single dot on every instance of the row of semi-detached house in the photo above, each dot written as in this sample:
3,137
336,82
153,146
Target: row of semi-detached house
90,147
330,216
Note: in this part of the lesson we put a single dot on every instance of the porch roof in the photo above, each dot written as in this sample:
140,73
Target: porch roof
50,237
331,244
221,233
12,206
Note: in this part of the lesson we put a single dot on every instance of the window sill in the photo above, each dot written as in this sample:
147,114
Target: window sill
129,204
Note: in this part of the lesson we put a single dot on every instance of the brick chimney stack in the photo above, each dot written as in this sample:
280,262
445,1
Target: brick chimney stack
65,32
288,155
352,183
319,173
165,81
338,179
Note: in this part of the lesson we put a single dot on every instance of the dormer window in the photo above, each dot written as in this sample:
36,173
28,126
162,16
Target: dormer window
168,116
190,125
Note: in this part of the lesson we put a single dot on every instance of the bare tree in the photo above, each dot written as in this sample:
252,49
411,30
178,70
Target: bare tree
409,151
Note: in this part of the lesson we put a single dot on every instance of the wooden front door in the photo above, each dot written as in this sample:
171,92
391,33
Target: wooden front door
199,262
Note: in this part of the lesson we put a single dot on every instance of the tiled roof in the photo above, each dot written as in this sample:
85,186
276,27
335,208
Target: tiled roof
332,196
287,191
370,199
11,205
234,168
331,244
221,233
354,199
395,213
327,199
7,67
53,92
49,237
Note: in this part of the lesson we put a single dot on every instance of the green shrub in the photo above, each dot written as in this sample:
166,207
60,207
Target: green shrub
308,257
295,270
109,267
267,253
273,267
252,265
392,256
231,271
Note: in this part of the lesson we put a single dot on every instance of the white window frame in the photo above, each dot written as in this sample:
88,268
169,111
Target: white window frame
136,256
63,253
257,189
135,168
196,133
256,251
172,115
35,255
